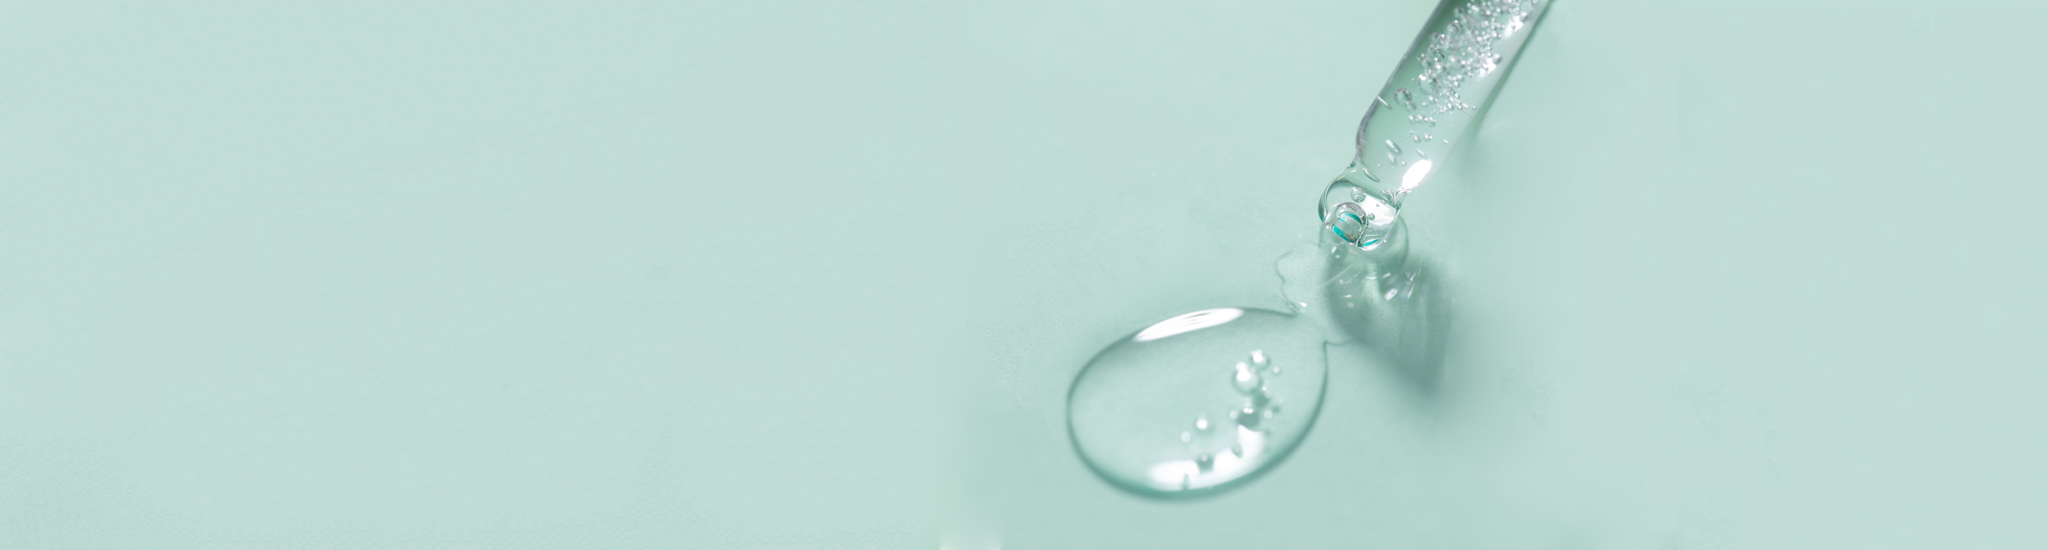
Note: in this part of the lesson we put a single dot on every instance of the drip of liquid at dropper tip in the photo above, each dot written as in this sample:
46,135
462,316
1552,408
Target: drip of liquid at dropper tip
1458,59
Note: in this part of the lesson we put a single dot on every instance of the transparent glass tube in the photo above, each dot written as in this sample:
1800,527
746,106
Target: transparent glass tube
1444,82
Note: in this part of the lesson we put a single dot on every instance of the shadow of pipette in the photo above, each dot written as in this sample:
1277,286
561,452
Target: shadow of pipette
1387,299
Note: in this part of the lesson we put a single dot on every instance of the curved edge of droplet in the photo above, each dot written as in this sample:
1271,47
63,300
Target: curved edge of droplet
1280,457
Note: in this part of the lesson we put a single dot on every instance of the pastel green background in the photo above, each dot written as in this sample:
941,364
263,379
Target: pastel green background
817,275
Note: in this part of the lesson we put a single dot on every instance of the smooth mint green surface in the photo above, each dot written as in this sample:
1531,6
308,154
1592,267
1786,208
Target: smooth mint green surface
402,275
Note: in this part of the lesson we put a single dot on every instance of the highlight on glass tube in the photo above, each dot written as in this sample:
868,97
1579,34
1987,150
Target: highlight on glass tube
1446,80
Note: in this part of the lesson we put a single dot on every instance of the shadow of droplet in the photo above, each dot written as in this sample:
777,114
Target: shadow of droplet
1390,300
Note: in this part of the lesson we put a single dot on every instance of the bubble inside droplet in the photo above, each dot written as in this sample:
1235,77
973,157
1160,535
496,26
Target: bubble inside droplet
1246,379
1129,409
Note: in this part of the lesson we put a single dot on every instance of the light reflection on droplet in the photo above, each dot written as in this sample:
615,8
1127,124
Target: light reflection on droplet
1187,322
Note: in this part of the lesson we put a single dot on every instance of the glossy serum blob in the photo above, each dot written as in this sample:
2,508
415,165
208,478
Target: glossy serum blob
1198,401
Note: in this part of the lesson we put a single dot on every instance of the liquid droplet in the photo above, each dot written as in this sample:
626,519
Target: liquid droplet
1134,399
1392,148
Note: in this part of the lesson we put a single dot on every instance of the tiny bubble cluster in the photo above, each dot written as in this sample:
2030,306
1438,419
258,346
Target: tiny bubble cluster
1444,80
1464,51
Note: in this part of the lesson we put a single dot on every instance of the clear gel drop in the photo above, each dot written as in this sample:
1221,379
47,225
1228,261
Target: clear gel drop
1198,402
